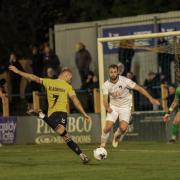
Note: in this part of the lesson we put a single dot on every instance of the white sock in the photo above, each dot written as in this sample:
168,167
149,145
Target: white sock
41,115
118,132
104,138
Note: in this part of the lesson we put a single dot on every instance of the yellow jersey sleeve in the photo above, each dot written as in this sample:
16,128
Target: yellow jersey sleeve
71,91
45,82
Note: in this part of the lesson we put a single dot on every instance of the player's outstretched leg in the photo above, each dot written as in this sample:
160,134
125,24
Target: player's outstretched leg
75,148
71,144
62,132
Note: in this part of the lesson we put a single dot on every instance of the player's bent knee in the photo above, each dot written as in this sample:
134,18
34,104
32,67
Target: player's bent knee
63,133
106,130
123,128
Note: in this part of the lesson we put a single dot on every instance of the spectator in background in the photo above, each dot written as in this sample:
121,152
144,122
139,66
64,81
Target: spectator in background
164,61
121,68
152,84
83,61
90,84
51,73
37,63
15,79
37,68
130,75
3,67
126,53
50,60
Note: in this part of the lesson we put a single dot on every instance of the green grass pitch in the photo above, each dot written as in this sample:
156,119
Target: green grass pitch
130,161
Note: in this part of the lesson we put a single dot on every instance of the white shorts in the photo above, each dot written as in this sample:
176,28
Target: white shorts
123,113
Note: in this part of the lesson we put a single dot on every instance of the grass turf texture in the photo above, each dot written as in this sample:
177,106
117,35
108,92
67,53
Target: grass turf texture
130,161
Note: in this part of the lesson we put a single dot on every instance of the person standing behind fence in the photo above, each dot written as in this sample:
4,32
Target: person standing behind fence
164,60
37,69
50,60
37,63
125,54
83,60
152,85
15,79
90,84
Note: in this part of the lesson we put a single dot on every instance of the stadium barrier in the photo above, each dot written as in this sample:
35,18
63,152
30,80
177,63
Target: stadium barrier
37,97
145,126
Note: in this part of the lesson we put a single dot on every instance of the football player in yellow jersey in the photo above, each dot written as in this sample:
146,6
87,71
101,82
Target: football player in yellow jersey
58,91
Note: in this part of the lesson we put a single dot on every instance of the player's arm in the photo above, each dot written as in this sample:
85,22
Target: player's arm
170,110
146,94
106,104
78,105
29,76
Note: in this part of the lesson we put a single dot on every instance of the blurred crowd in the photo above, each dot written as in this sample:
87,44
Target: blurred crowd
43,62
153,81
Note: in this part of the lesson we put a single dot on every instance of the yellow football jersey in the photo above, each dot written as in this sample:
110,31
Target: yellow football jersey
57,94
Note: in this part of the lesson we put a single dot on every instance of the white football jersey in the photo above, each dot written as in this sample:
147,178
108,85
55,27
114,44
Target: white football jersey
119,92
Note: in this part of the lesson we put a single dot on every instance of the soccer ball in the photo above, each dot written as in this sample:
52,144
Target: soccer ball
100,153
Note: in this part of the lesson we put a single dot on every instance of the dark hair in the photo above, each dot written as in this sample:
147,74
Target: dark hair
114,66
90,73
172,85
2,82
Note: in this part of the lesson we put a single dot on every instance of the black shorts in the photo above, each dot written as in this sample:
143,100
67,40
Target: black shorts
56,119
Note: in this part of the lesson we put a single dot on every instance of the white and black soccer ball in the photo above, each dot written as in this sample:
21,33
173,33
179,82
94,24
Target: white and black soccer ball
100,153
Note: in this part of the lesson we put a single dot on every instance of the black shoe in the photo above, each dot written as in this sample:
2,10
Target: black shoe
84,158
172,141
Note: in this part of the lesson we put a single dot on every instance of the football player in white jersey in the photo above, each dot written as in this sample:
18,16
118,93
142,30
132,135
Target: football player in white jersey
117,88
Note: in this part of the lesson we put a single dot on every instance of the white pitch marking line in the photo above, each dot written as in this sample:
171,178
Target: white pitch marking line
140,150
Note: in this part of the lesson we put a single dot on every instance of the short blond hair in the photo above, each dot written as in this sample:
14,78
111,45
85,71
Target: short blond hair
66,69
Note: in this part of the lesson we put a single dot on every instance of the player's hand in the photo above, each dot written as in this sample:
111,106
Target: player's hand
87,118
109,110
13,68
154,101
166,117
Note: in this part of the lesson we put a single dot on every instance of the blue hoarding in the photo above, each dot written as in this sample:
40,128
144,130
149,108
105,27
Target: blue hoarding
112,47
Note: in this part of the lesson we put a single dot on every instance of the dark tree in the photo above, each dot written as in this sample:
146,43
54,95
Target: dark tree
26,22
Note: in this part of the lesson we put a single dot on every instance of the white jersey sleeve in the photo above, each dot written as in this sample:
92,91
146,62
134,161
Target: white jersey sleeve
104,89
130,84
